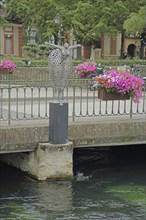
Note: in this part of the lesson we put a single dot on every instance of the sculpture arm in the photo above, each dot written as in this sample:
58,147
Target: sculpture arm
75,46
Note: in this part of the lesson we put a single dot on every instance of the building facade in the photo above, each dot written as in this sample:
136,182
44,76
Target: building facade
11,40
109,47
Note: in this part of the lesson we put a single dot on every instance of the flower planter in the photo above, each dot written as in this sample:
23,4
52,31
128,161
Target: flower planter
4,71
114,80
85,69
105,96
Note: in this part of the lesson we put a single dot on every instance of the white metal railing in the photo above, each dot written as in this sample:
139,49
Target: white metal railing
29,100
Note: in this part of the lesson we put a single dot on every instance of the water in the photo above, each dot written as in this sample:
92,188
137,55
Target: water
108,184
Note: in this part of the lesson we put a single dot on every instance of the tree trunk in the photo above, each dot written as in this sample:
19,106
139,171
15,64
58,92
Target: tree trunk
142,50
122,43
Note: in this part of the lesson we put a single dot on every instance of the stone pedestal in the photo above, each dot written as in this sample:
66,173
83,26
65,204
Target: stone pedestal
55,161
49,161
58,123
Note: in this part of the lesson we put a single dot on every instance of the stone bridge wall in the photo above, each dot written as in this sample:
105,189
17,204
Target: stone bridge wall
122,132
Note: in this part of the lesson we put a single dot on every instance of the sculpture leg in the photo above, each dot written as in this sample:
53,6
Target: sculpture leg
60,95
55,94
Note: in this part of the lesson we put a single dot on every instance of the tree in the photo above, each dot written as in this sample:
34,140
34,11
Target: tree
41,14
3,21
136,24
92,18
83,23
87,19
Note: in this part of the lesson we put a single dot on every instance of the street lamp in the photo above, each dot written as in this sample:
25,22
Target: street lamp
58,35
31,34
61,35
56,20
51,39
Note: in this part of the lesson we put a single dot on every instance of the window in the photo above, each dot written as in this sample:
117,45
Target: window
8,44
113,46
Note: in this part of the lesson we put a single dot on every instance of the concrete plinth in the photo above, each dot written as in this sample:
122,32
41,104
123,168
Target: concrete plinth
58,123
49,161
55,161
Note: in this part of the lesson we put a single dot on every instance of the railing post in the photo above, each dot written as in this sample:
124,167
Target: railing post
73,111
9,103
131,101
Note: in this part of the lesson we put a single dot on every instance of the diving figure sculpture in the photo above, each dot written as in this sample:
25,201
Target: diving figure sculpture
60,68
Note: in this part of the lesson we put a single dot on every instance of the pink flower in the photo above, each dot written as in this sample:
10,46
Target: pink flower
123,83
85,68
8,64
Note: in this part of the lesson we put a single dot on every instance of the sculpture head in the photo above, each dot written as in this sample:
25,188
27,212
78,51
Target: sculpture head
66,45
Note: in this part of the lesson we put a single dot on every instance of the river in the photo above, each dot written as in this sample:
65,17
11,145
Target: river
109,184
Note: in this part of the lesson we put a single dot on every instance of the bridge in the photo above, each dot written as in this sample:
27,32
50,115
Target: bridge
24,126
84,133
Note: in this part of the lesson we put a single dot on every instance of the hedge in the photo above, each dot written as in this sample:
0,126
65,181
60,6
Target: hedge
105,62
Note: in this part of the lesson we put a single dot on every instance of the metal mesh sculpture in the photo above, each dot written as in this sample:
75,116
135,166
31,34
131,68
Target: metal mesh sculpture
60,68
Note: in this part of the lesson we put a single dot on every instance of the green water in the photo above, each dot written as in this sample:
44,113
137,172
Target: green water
108,184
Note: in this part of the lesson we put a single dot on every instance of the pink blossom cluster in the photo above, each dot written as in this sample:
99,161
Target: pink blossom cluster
8,64
123,83
85,69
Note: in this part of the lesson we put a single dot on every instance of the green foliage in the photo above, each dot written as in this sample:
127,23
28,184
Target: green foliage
41,14
44,61
91,19
3,22
114,62
136,22
37,50
83,23
88,19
